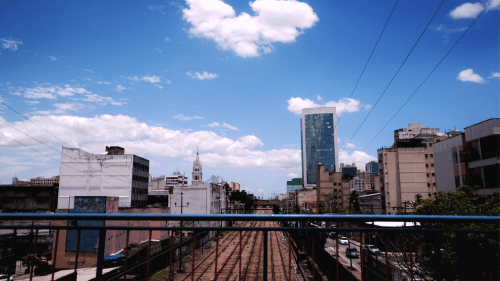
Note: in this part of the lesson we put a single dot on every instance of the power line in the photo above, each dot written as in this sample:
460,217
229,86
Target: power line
407,100
88,165
404,61
369,58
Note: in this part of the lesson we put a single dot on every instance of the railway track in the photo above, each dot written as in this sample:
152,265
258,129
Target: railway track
228,260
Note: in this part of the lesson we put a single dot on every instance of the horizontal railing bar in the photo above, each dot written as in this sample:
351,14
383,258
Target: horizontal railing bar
246,217
314,229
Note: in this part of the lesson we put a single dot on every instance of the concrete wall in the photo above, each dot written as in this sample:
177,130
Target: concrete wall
306,199
445,172
86,174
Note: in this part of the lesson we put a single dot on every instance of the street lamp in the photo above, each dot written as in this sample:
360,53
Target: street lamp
180,249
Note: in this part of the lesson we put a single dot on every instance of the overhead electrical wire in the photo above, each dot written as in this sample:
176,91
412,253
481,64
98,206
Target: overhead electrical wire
369,58
390,82
437,65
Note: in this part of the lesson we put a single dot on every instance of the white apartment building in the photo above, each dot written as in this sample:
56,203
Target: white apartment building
357,184
413,130
234,186
111,174
45,181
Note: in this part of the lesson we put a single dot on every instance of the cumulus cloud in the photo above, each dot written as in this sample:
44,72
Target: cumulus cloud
472,10
48,91
229,127
468,75
246,35
292,175
494,75
205,75
120,88
214,124
151,79
295,105
11,44
186,118
62,108
142,139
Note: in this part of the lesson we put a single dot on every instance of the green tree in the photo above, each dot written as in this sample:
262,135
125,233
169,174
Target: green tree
322,208
354,204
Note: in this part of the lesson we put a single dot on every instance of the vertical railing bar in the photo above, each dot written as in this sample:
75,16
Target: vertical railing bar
149,255
126,256
289,257
194,256
313,269
216,255
13,242
77,253
411,260
437,251
171,253
33,256
462,257
337,250
100,253
386,259
362,256
264,277
55,255
240,259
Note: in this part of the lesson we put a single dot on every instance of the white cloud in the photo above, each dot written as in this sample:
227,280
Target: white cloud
141,139
53,58
230,127
203,76
151,79
48,91
260,190
11,44
101,100
295,105
159,86
159,8
186,118
494,75
32,101
133,78
472,10
292,175
61,108
350,145
88,70
247,35
103,82
443,28
214,124
167,39
319,98
156,49
468,75
120,88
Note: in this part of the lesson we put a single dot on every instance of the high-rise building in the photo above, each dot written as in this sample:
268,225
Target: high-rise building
294,185
348,171
197,171
371,167
319,142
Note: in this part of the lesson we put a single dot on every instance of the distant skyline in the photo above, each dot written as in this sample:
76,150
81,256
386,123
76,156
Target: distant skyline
161,78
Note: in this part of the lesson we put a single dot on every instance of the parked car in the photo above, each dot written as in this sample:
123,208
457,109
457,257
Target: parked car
371,249
351,252
343,241
3,277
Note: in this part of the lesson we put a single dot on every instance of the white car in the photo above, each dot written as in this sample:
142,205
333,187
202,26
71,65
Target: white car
343,241
372,249
3,277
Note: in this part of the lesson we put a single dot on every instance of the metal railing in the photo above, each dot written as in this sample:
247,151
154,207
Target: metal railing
432,225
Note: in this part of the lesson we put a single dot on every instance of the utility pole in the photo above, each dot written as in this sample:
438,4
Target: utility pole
180,249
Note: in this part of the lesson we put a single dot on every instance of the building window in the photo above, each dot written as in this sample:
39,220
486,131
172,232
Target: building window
427,166
432,164
335,183
462,156
433,174
455,158
432,155
428,194
433,184
427,174
428,185
430,144
464,180
457,181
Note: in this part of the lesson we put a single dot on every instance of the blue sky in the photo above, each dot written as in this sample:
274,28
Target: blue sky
162,78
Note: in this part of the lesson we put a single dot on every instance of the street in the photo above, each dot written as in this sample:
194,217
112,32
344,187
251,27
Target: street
330,243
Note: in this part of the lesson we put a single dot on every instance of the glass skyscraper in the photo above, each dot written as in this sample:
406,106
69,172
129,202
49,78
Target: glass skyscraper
318,142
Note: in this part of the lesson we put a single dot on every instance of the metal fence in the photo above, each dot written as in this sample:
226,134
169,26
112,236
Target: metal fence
362,226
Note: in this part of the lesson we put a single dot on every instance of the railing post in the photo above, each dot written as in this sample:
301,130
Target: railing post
289,257
216,255
11,254
437,252
77,252
126,257
386,259
411,260
337,249
264,276
55,256
313,269
240,259
171,254
149,255
362,257
33,256
100,253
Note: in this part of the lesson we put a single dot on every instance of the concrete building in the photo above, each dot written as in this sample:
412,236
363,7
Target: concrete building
306,201
348,171
157,183
177,179
332,189
371,203
294,185
372,180
470,158
319,143
113,173
28,199
234,186
357,184
197,170
45,181
371,167
413,130
407,169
